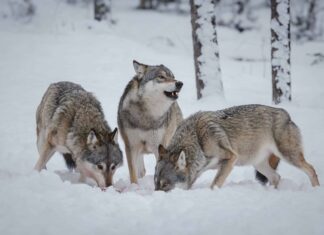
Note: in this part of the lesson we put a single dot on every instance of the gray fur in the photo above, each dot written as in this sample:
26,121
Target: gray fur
147,117
71,121
242,135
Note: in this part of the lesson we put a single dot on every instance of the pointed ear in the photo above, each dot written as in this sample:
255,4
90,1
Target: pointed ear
92,138
113,136
182,163
139,69
162,152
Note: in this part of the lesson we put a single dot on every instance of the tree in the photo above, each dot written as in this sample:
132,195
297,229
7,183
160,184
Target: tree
305,20
101,9
22,9
206,53
146,4
280,50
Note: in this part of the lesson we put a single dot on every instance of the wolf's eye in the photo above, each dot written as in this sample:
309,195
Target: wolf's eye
100,166
161,77
163,184
112,167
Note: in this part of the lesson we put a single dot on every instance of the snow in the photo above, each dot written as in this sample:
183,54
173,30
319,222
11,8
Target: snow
59,45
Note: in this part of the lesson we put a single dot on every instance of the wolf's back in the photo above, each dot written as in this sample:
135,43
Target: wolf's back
52,99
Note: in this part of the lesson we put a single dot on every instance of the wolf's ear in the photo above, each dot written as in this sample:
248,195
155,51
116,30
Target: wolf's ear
162,151
181,163
113,136
92,139
139,69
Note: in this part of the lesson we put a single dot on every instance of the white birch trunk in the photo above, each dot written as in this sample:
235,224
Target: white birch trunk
280,50
206,53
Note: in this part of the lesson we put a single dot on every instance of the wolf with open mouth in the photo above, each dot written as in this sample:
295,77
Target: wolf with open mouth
148,114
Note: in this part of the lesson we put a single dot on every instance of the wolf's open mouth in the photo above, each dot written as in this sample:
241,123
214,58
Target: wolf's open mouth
172,94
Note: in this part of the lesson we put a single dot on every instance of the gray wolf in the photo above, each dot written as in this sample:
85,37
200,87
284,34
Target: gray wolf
148,114
70,120
241,135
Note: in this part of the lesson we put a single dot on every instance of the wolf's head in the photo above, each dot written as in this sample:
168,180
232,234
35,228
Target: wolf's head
171,170
101,157
157,82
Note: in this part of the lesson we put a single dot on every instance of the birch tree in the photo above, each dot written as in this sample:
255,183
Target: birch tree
280,50
205,46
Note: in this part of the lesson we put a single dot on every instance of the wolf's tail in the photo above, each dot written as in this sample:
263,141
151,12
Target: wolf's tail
70,163
273,162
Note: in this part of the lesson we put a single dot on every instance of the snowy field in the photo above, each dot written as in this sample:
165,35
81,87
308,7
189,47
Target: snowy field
63,43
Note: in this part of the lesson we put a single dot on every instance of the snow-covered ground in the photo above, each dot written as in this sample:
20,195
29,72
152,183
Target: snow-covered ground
63,43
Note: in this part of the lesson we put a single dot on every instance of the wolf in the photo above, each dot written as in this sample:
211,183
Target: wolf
71,121
148,114
240,135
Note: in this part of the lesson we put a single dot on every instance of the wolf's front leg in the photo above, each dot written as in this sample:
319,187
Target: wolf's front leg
135,164
226,166
46,151
82,178
140,167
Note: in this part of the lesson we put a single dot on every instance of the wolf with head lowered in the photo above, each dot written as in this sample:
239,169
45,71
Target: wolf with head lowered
148,114
70,120
242,135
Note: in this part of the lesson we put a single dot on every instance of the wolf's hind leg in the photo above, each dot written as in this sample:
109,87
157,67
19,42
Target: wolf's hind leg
290,146
226,166
45,153
266,169
274,162
310,171
301,163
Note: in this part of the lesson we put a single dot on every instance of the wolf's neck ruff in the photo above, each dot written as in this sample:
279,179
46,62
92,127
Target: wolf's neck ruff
136,118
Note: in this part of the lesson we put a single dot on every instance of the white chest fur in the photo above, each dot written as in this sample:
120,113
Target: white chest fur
146,141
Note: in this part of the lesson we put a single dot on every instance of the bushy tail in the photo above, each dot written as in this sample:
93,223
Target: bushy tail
70,163
273,162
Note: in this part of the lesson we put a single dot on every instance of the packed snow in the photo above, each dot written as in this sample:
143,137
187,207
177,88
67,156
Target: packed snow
62,42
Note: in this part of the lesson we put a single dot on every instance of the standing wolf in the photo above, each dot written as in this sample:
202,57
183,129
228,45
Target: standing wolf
70,120
242,135
148,114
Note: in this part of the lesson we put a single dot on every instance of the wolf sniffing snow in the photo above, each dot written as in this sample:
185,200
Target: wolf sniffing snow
242,135
71,121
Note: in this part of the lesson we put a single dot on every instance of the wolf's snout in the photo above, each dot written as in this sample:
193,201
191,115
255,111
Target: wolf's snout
179,85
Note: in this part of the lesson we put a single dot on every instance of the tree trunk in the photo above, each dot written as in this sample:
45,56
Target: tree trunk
145,4
280,50
205,46
101,9
142,4
311,16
